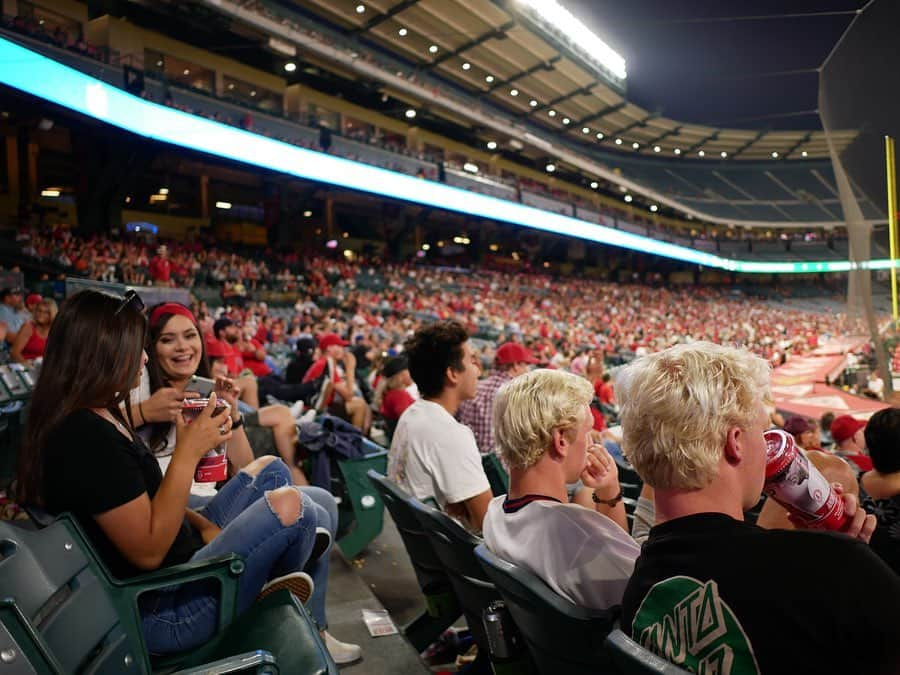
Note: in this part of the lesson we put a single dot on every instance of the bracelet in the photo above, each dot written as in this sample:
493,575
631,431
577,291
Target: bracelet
238,424
608,502
141,411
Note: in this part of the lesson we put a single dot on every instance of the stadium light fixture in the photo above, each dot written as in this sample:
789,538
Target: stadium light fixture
50,192
677,151
600,136
723,154
550,168
52,81
307,214
432,49
492,145
594,185
559,17
187,71
410,114
533,103
656,148
566,120
466,65
585,130
223,205
774,155
290,67
635,145
426,247
402,32
163,191
654,208
628,199
618,141
489,78
470,167
513,92
551,112
253,92
702,153
804,154
360,9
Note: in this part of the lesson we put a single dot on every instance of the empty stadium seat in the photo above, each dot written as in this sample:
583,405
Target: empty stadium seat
361,511
62,612
632,659
442,607
561,637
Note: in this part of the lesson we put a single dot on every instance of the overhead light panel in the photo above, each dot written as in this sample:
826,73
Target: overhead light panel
654,208
223,205
635,145
677,151
410,114
433,49
402,32
489,78
360,9
594,185
702,153
492,145
290,66
470,167
562,20
618,141
656,148
513,92
550,168
533,103
585,130
628,199
566,120
551,112
600,136
774,155
466,65
723,154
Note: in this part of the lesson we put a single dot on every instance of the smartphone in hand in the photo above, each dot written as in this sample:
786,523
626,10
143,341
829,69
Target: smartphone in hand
202,385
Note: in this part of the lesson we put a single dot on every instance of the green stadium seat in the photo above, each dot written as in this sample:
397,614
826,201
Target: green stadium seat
632,659
361,511
496,474
561,637
62,612
442,606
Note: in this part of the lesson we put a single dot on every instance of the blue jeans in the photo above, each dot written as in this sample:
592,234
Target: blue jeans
185,616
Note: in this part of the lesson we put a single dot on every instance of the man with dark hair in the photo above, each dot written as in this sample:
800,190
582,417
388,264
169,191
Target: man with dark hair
510,361
433,455
882,484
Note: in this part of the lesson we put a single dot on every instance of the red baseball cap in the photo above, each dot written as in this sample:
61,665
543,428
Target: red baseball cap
331,339
844,426
215,349
513,352
33,299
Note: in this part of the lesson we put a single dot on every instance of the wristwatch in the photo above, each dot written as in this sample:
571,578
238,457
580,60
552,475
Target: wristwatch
608,502
238,424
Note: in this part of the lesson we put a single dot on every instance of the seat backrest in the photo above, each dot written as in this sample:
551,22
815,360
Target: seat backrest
496,474
632,659
429,570
455,548
562,637
55,594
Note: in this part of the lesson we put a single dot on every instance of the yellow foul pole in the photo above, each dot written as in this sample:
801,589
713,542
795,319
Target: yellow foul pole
892,218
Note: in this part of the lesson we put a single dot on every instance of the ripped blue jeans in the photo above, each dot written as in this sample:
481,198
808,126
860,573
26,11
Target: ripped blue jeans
183,617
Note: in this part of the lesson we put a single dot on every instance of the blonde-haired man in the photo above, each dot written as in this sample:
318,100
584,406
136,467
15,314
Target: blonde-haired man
711,592
542,426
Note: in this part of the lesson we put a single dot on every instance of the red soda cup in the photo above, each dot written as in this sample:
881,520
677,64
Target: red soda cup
213,466
795,483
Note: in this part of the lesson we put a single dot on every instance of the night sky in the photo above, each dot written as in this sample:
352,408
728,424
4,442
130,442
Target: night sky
705,72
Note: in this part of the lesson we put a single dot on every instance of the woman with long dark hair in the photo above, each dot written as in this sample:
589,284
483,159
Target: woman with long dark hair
81,454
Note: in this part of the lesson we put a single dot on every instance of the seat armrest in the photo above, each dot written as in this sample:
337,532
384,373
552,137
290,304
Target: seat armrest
233,664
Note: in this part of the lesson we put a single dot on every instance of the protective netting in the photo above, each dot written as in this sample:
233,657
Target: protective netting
858,90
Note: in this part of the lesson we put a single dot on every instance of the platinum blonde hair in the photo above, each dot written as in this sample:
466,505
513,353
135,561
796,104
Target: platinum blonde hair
528,408
677,406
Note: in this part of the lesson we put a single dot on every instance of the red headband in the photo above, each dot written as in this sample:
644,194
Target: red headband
171,308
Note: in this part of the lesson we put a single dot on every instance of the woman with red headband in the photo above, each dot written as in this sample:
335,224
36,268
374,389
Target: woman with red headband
176,351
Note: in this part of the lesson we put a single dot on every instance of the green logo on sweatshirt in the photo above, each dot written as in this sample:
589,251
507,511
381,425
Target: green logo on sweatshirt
685,621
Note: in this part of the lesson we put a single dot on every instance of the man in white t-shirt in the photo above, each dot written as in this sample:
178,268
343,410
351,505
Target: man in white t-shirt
433,455
542,427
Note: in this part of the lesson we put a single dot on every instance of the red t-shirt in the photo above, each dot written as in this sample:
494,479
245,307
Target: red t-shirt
395,401
233,359
160,269
599,419
259,368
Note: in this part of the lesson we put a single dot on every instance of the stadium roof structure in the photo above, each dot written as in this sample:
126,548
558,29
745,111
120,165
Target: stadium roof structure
498,51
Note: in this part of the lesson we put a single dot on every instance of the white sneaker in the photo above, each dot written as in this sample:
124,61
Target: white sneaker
342,652
298,583
297,409
307,417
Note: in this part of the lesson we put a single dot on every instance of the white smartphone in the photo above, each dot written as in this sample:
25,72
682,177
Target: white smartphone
202,385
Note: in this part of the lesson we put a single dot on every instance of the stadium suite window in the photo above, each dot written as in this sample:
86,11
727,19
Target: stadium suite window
178,71
249,94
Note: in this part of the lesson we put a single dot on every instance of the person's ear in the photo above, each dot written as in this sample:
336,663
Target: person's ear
451,376
560,449
734,439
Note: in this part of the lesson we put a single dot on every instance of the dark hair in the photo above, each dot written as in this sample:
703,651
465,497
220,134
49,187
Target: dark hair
92,360
431,351
825,421
158,379
883,440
